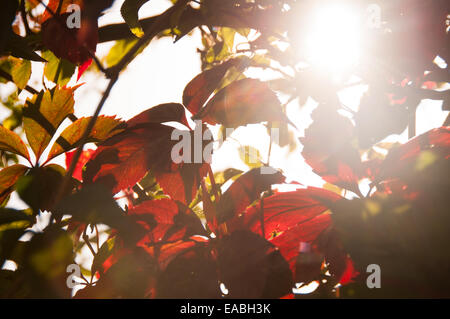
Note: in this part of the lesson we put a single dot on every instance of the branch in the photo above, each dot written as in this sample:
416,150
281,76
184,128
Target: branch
23,14
254,19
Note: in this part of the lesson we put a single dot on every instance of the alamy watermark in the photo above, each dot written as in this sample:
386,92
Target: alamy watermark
374,279
74,18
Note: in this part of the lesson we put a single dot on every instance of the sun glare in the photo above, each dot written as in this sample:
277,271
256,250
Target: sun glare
332,42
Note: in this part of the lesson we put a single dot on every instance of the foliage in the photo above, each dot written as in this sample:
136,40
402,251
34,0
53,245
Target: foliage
185,230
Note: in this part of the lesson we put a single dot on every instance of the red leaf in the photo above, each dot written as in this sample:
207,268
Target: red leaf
289,218
182,184
167,112
122,160
283,211
436,140
408,166
307,232
144,145
349,272
242,102
198,90
73,44
8,177
328,150
340,264
165,221
84,158
246,189
83,67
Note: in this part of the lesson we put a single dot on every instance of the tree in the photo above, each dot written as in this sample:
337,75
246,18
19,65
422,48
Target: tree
189,232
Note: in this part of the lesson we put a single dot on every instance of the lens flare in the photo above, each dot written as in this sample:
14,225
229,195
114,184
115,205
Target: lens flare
332,42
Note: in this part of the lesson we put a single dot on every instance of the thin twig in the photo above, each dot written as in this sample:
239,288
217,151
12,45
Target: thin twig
23,14
97,239
84,139
86,240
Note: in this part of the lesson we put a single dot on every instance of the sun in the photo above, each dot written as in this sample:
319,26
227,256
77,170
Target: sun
332,40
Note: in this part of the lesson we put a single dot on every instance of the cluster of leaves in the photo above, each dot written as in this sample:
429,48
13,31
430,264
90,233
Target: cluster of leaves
182,234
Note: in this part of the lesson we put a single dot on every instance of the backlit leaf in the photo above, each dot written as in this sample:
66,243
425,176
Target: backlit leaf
166,112
165,221
11,142
242,102
288,219
44,114
57,70
76,45
124,159
245,190
21,73
198,90
104,128
129,11
84,158
328,148
8,177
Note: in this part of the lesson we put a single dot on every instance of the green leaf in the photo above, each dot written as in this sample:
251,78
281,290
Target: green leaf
8,177
11,142
227,35
5,65
43,116
129,11
119,49
15,219
21,72
15,106
104,128
57,70
250,156
223,176
48,254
